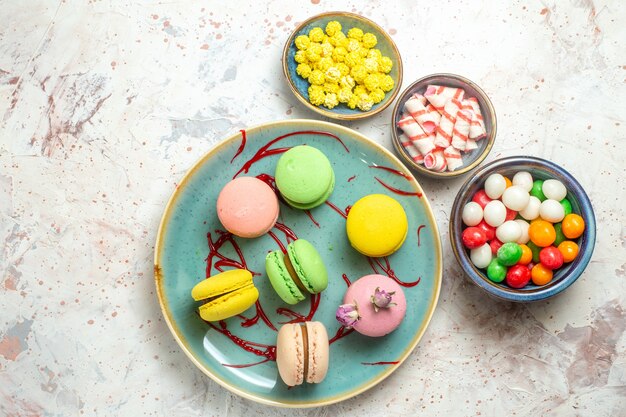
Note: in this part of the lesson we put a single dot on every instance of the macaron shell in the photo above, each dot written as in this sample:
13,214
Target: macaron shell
290,354
386,320
309,265
315,203
247,207
377,225
318,352
222,283
280,279
229,305
304,175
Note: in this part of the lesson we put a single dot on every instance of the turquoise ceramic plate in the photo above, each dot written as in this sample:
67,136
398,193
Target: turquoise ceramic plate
191,241
300,86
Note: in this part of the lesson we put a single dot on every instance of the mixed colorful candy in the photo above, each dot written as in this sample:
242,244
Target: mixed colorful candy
343,68
521,230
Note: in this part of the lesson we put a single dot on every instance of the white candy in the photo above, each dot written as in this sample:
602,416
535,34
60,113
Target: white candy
531,212
481,256
495,186
524,180
552,211
554,189
524,225
494,213
509,231
515,198
472,213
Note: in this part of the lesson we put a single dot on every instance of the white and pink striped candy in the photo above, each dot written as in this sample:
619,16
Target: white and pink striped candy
439,95
477,126
426,116
461,129
435,161
421,140
446,126
453,158
415,155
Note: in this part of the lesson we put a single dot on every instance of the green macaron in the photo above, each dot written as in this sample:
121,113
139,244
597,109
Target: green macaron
299,272
304,177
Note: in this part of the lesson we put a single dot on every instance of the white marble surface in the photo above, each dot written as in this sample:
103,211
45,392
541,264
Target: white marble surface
105,104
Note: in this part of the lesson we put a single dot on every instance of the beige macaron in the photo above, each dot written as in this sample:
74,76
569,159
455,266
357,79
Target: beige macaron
302,352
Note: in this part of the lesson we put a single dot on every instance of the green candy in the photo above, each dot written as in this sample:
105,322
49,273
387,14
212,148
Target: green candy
537,190
535,250
509,253
560,237
567,206
496,271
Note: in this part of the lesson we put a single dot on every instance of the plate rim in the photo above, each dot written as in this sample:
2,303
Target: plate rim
159,276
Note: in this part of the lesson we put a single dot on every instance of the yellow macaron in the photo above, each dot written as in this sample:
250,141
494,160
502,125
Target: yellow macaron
377,225
227,294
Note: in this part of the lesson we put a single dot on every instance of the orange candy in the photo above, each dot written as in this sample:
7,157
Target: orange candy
540,275
507,182
527,255
541,233
573,226
569,250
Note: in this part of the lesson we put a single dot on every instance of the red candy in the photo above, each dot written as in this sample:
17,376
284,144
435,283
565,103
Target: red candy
518,276
510,214
481,198
495,245
551,258
473,237
490,231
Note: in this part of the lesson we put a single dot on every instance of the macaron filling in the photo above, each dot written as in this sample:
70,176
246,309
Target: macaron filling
225,295
293,274
305,344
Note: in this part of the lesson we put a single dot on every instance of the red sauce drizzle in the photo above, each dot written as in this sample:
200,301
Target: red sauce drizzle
381,363
308,213
418,234
376,263
259,349
351,178
397,191
341,333
223,260
260,314
269,180
393,171
289,234
265,150
337,209
277,240
241,146
346,279
297,317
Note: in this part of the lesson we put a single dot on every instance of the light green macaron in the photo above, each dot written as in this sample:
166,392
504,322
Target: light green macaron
299,272
304,177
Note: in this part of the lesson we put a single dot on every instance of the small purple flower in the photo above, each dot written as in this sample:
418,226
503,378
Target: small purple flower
348,315
382,299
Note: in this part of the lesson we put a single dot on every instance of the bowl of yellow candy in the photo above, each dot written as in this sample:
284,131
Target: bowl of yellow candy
342,66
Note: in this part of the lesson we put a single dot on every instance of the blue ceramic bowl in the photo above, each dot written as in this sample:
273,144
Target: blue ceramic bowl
471,159
300,86
540,169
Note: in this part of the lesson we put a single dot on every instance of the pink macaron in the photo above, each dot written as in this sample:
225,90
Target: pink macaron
374,305
247,207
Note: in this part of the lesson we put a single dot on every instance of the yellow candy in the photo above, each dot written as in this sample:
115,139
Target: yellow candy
347,81
317,77
344,95
337,39
353,45
353,101
385,64
333,27
377,95
316,95
363,51
370,64
327,49
324,63
372,82
332,74
302,42
311,55
374,53
331,87
300,57
339,54
358,72
369,40
365,102
359,90
331,100
355,33
386,83
352,59
303,70
316,35
343,69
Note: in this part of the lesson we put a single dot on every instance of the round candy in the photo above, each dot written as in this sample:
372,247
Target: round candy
560,237
535,251
518,276
524,180
472,213
551,258
531,211
509,231
473,237
524,225
515,198
509,253
494,213
567,206
495,244
554,189
508,182
510,215
573,226
481,256
481,198
540,275
541,233
527,255
495,186
569,250
536,190
552,211
490,231
496,271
